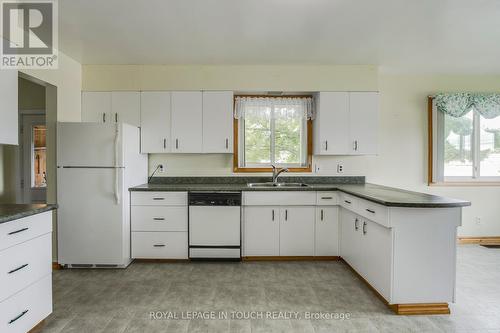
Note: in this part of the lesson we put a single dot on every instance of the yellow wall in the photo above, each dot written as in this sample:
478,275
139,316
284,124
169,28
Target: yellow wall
402,157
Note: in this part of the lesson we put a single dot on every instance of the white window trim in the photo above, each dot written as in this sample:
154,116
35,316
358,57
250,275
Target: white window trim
241,148
438,163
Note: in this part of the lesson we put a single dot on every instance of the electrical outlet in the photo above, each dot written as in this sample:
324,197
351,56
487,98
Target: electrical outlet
161,169
478,220
340,168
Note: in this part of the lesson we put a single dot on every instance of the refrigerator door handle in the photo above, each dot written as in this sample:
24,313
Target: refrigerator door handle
117,175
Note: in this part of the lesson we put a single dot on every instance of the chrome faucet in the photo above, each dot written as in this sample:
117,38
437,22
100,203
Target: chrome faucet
277,172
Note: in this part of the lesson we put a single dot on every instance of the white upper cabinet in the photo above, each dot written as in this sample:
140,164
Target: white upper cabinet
187,111
111,107
217,121
331,130
346,123
96,107
155,122
126,107
363,120
8,108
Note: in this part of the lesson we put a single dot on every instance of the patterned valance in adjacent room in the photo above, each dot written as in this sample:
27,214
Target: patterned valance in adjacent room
459,104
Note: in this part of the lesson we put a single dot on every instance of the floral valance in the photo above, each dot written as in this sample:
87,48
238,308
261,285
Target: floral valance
459,104
292,106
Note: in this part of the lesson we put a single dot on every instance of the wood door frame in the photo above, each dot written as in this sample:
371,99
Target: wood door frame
25,154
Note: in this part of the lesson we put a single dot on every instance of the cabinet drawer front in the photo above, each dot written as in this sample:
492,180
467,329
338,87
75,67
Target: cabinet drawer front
159,198
349,202
24,310
21,230
374,212
327,198
160,245
172,218
23,264
272,198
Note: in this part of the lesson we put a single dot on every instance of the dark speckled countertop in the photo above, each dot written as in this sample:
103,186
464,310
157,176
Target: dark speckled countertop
9,212
387,196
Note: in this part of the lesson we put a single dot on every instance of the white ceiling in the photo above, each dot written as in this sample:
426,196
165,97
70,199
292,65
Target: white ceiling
421,35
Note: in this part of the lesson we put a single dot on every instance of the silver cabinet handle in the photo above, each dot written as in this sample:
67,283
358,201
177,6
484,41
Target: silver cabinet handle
322,215
176,143
103,117
19,316
158,218
158,198
116,117
355,145
326,145
159,245
17,269
326,198
286,214
347,202
356,224
227,143
364,228
370,211
164,143
273,215
17,231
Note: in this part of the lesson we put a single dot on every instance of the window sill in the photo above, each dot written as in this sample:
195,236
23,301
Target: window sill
465,184
240,169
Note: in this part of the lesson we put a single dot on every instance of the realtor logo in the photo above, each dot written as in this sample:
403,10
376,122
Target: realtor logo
29,34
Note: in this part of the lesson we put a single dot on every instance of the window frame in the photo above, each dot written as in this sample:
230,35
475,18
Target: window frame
236,136
433,167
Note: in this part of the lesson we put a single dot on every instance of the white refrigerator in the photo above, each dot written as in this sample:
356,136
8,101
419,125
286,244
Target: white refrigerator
96,164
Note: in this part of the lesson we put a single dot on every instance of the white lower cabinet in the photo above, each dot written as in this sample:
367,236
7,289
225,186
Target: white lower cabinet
326,242
25,272
297,231
159,223
367,247
159,245
377,246
261,231
350,239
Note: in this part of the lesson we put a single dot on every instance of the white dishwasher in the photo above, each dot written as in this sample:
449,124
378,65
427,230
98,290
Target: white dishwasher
215,225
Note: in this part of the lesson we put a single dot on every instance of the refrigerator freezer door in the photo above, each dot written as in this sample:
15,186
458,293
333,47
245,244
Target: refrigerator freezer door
91,225
89,145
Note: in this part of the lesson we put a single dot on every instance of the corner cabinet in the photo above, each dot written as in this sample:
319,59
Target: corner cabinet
155,122
9,108
187,126
346,123
217,122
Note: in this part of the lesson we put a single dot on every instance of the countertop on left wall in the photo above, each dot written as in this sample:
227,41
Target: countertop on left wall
9,212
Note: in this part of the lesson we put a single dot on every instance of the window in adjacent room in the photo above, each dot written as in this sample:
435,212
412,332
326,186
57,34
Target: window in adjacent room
273,131
464,138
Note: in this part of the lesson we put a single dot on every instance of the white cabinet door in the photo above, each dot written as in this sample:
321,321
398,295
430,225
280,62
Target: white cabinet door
261,231
327,231
187,122
96,107
217,121
331,126
8,108
350,239
297,231
363,121
155,122
126,107
377,245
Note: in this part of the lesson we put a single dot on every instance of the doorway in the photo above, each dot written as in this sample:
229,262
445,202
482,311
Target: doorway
34,158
